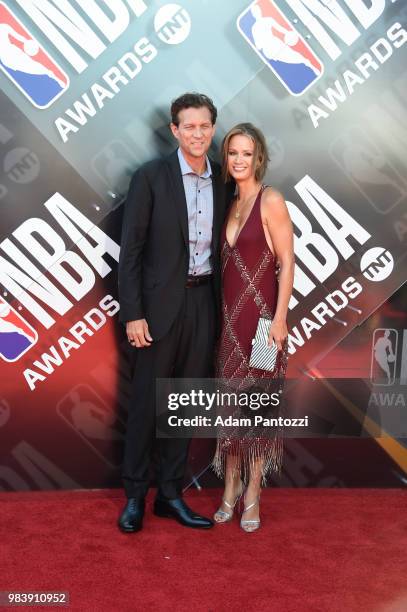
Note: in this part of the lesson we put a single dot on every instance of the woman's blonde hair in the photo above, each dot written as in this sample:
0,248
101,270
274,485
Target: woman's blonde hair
260,157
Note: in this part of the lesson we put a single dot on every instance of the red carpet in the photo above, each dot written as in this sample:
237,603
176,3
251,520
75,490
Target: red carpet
318,550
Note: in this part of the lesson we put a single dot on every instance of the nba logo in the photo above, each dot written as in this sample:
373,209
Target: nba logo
388,363
384,356
27,64
366,164
16,335
280,46
97,424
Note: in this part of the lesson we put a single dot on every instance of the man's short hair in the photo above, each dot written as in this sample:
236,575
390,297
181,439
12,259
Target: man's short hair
192,100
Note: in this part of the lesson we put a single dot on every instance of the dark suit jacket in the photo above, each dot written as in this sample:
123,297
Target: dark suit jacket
154,254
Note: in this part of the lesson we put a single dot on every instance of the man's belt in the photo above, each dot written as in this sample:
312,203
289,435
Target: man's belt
197,281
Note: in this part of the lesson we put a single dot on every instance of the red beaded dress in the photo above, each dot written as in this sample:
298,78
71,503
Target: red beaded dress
249,291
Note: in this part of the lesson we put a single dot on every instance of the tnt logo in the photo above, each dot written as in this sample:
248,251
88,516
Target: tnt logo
16,335
172,24
27,64
377,264
280,46
21,165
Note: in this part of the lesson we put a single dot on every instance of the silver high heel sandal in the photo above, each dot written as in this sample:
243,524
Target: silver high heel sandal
221,516
250,525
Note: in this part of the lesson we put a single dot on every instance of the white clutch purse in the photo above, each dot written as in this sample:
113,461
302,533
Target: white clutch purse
263,356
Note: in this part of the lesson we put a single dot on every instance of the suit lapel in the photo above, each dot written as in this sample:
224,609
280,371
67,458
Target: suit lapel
177,185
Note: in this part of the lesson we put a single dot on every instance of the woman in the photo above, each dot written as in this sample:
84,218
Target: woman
256,242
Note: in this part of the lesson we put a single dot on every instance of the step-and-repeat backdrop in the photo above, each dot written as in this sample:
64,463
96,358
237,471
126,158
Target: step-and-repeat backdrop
85,94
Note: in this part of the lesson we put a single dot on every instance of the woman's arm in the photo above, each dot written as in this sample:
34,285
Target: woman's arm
278,226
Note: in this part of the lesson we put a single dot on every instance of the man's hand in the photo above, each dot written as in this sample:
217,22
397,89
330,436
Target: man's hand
138,334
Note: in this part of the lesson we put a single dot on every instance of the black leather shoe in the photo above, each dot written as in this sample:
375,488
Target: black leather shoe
131,519
178,510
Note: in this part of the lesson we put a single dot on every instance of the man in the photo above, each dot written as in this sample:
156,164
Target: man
168,289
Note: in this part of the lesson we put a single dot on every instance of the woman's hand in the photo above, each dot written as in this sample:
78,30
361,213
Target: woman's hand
278,333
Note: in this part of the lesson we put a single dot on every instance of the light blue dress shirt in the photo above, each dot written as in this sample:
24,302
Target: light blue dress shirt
199,197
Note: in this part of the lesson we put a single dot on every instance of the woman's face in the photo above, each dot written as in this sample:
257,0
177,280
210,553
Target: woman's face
240,157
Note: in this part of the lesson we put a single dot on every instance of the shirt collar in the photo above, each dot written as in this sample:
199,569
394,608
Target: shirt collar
186,168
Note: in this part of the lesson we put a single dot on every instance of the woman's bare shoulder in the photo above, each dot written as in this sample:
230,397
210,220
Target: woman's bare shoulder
273,201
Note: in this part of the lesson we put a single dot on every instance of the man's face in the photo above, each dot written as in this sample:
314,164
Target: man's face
194,131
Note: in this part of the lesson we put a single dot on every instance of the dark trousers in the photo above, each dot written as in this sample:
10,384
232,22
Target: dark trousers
186,351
